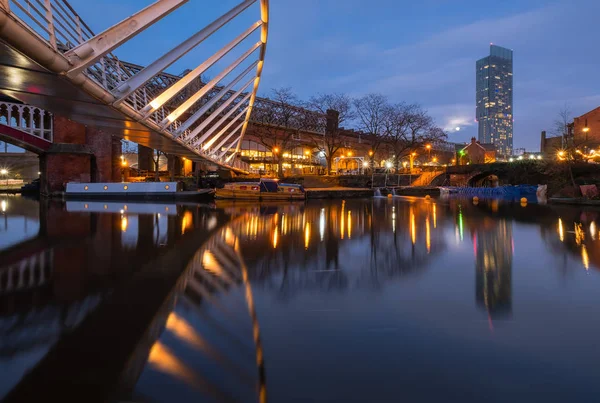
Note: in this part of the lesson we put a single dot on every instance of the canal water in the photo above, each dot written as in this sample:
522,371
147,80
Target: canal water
375,300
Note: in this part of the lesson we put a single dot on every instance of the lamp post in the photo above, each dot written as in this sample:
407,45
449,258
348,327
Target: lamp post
428,147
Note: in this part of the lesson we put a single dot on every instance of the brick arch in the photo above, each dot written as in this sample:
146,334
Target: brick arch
477,176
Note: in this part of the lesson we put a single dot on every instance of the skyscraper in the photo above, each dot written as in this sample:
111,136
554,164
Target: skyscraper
495,99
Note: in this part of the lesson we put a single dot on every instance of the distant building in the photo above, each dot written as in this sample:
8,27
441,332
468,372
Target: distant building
583,132
519,151
477,153
494,97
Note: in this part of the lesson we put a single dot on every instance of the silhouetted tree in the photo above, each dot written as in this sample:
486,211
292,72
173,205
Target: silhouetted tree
371,115
332,139
281,119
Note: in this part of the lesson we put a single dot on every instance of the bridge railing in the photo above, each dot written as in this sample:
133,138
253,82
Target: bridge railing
27,118
57,23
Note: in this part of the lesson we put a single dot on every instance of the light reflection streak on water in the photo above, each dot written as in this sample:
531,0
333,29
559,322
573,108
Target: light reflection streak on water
349,224
460,225
162,359
585,258
579,234
394,219
306,235
342,219
275,237
413,226
593,230
124,223
434,215
3,206
561,231
183,330
428,234
322,224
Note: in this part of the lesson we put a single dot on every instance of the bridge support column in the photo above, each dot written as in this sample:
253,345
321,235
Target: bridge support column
174,166
106,163
79,154
145,162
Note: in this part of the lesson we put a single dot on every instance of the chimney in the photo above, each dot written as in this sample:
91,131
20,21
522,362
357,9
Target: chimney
543,142
332,121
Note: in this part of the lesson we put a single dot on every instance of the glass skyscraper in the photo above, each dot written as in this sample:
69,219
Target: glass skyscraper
495,99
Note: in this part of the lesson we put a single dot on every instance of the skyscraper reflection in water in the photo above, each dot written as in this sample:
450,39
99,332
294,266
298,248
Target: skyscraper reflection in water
493,268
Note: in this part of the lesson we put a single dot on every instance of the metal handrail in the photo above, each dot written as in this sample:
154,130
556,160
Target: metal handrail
29,119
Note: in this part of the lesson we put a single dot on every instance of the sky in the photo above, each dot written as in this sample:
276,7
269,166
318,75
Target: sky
414,51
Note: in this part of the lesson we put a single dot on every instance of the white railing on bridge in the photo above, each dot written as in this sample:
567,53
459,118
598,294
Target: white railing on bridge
60,25
27,118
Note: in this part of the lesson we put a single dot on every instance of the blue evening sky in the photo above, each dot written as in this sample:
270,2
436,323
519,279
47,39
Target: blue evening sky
415,51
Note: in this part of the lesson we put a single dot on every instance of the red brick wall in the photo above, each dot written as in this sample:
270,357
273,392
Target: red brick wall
62,168
68,131
590,138
107,150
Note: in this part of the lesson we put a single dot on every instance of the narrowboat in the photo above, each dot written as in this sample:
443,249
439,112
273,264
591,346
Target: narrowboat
265,189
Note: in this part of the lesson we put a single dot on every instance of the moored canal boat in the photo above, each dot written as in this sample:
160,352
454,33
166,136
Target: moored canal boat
265,189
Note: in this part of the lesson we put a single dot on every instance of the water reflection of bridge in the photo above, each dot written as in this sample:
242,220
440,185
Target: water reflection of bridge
51,284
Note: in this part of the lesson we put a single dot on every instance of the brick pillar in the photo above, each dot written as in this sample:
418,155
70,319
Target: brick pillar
79,154
174,166
107,151
68,159
145,162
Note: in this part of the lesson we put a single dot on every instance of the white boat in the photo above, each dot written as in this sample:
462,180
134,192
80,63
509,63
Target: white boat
264,189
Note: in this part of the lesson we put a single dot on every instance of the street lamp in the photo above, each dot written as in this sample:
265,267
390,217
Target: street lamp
370,153
276,150
4,172
428,147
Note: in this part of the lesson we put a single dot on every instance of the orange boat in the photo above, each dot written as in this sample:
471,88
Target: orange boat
265,189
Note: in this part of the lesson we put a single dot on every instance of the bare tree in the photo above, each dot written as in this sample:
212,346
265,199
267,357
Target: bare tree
280,119
560,126
408,128
371,115
156,160
331,142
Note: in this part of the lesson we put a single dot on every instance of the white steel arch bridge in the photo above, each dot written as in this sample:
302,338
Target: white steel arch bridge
51,59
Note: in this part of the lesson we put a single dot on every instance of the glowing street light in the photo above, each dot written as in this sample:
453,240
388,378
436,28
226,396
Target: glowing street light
520,157
4,172
365,164
349,154
511,160
276,150
370,153
388,164
561,153
586,129
531,156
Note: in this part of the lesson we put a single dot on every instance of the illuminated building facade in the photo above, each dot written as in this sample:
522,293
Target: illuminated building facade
494,97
